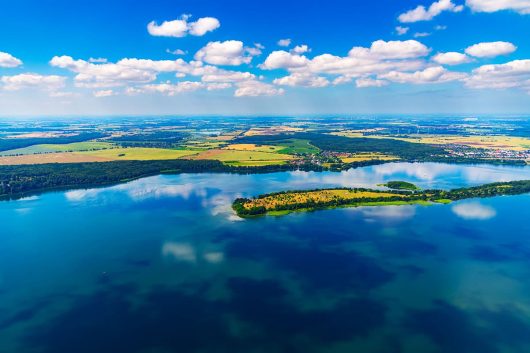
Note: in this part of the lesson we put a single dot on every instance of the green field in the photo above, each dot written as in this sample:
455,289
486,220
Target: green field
297,146
140,154
52,148
244,158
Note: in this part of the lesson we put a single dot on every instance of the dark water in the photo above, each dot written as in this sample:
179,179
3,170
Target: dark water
162,265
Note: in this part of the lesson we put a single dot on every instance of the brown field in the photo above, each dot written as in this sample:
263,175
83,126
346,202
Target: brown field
65,157
320,196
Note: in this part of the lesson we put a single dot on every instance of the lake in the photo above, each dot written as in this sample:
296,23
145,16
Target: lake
162,264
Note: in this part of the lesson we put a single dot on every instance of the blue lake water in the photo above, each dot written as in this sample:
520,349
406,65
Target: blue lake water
163,265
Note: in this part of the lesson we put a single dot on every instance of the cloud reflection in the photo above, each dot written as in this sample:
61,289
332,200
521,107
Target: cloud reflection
474,211
185,252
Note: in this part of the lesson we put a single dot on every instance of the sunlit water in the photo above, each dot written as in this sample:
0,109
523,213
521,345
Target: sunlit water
163,265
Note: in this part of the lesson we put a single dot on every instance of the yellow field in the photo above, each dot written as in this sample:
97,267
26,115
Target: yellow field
362,157
139,154
253,147
320,196
487,142
248,158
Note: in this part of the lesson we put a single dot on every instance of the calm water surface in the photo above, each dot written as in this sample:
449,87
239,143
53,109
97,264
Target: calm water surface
163,265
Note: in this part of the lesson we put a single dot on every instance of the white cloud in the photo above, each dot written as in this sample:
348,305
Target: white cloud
104,93
421,34
230,52
203,26
380,58
284,42
520,6
176,52
281,59
181,27
9,61
171,89
435,74
97,60
514,74
302,80
473,211
227,76
491,49
132,71
301,49
392,50
257,88
451,58
33,80
402,30
421,13
369,82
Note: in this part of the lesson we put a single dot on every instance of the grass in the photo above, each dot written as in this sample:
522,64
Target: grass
54,148
244,158
140,154
297,146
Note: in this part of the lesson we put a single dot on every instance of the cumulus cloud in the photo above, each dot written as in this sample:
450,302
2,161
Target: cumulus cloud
301,49
520,6
514,74
181,27
473,211
230,52
172,89
284,42
104,93
435,74
392,50
402,30
491,49
176,52
132,71
33,80
281,59
451,58
302,80
256,88
421,13
9,61
369,82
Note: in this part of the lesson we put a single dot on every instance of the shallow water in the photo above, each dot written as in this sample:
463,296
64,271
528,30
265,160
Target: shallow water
162,264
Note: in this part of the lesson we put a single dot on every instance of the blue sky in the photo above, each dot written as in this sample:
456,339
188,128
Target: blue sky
227,57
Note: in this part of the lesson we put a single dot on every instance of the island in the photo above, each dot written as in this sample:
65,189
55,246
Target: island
307,200
400,185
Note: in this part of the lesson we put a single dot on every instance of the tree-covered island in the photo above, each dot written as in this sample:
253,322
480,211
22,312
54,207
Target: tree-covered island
308,200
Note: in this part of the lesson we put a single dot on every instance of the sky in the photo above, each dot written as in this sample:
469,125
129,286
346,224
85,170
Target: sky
288,57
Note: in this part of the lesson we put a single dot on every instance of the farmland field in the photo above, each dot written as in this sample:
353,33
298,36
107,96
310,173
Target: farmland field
362,157
51,148
140,154
247,158
61,157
